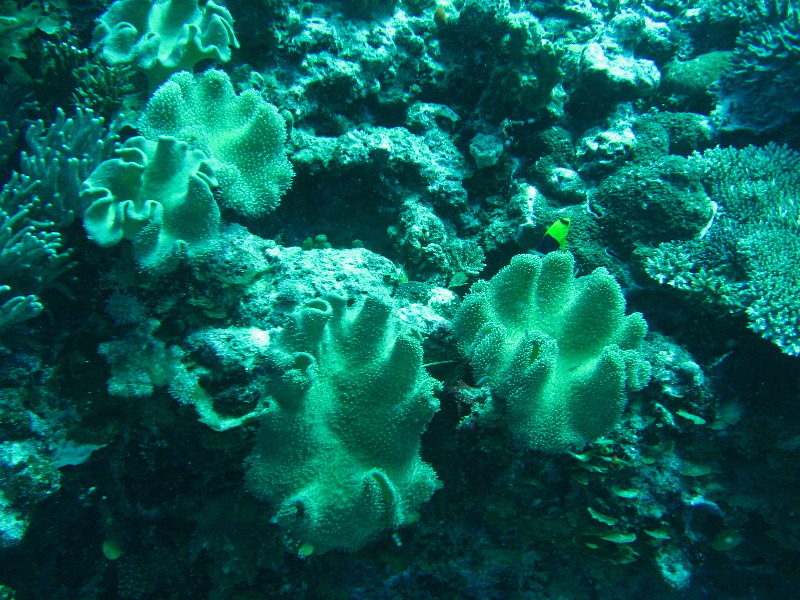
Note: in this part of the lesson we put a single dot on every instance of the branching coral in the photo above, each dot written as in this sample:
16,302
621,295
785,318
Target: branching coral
60,157
39,201
759,90
30,254
747,261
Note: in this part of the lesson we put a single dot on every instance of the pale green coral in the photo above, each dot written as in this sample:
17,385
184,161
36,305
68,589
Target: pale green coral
156,194
18,308
161,37
38,201
242,134
338,452
558,353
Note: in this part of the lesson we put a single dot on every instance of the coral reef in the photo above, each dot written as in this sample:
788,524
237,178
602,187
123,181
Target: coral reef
756,92
745,262
245,351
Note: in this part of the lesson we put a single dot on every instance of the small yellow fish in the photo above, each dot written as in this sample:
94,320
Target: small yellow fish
555,238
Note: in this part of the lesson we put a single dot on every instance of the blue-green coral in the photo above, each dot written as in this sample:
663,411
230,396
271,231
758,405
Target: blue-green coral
38,201
338,452
60,157
242,134
558,352
747,261
161,37
30,255
156,194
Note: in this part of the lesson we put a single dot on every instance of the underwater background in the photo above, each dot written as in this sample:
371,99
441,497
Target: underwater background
413,299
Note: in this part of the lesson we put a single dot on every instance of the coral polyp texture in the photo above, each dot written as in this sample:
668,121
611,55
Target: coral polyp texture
558,352
163,37
243,135
156,194
338,454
